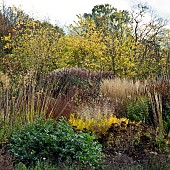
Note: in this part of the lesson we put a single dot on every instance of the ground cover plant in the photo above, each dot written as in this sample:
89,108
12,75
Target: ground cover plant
53,141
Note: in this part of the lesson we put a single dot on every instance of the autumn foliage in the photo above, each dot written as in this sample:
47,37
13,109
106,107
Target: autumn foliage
107,74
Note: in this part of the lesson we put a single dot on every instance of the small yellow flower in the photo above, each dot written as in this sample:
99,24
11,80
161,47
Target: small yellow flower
6,38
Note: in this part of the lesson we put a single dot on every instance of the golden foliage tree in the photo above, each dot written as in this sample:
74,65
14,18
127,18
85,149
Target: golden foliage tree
33,47
83,47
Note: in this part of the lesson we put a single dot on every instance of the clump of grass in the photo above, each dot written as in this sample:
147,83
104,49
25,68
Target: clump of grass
95,109
121,88
120,91
158,91
21,103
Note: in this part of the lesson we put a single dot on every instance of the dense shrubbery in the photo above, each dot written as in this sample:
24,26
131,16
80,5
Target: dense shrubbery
54,141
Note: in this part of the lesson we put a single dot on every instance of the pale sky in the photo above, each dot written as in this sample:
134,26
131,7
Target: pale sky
63,12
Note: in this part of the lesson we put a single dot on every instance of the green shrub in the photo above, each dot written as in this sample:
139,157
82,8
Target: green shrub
138,110
54,141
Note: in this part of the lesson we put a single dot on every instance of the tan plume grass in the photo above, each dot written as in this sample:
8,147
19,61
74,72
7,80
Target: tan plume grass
95,110
121,88
120,91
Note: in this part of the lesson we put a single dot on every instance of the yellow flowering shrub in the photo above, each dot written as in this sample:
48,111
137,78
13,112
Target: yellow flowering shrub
99,125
